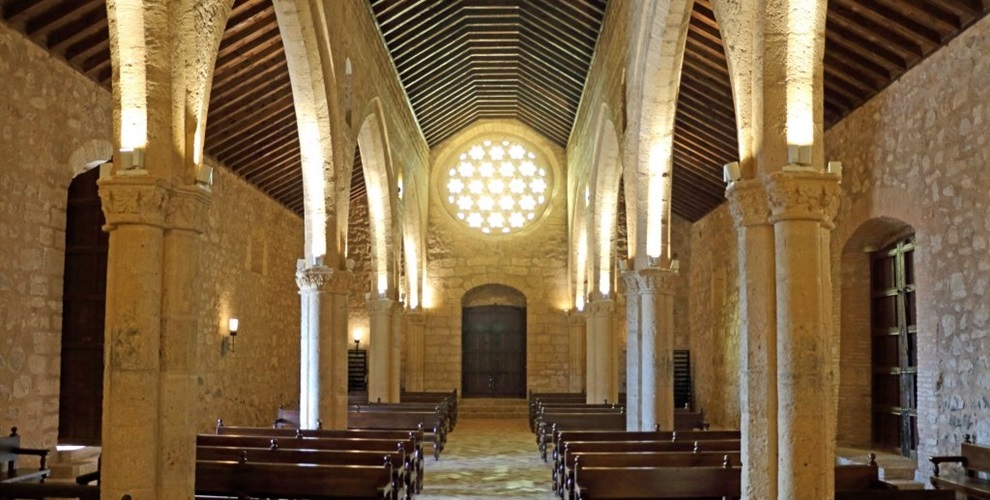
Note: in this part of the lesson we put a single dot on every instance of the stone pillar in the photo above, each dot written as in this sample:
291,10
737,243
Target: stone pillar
415,350
801,204
151,328
602,371
186,220
634,411
576,330
758,338
379,349
657,347
323,347
395,354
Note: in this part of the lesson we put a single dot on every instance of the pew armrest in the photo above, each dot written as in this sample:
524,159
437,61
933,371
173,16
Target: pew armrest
41,453
89,477
939,460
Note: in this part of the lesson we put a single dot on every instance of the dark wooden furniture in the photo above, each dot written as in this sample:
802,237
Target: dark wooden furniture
11,451
493,351
431,422
974,459
563,485
294,481
895,495
13,491
592,483
549,422
357,370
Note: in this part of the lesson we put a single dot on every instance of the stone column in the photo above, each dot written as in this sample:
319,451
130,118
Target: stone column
758,337
801,204
576,330
323,347
185,222
657,347
415,350
634,413
135,213
602,372
395,354
379,349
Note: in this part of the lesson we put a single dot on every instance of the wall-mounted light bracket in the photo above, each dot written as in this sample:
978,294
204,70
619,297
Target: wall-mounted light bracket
228,341
799,154
731,172
131,162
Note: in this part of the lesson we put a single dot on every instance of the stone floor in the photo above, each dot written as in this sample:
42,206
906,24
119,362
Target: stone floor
488,459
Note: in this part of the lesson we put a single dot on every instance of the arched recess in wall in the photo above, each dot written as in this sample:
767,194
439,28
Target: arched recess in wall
606,175
658,52
582,254
878,367
379,182
493,342
83,300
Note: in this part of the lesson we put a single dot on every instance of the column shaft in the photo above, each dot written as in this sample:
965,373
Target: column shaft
758,338
395,354
323,347
634,413
379,350
577,326
657,347
605,375
415,330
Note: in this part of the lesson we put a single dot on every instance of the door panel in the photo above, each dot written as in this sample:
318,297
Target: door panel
83,312
494,351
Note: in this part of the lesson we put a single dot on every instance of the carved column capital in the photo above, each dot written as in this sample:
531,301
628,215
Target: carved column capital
600,308
812,196
658,280
416,317
748,203
383,306
133,199
323,279
633,281
575,317
188,209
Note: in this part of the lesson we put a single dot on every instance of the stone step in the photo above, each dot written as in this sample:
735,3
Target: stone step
69,462
497,408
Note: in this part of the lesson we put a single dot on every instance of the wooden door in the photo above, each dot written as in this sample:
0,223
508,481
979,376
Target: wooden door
83,312
894,345
493,362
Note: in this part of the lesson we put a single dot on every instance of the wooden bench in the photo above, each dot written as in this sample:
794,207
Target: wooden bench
415,435
431,423
11,450
443,410
592,483
12,491
410,461
974,459
564,486
227,478
552,422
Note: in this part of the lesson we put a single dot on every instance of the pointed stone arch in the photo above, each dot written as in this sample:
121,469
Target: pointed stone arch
376,162
606,172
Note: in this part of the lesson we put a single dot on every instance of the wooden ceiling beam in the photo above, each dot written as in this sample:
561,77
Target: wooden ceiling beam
876,34
275,128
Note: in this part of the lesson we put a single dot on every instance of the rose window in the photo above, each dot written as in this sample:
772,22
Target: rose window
497,187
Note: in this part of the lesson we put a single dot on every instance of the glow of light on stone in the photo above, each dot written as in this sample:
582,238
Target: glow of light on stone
133,82
311,157
412,267
659,162
606,224
580,266
800,72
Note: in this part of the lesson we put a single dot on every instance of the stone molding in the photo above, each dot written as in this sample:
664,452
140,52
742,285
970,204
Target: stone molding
153,201
188,209
381,306
133,199
600,308
416,318
651,280
575,317
811,196
323,279
748,203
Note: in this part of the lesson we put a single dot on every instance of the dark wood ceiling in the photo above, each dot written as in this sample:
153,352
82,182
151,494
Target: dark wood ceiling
461,60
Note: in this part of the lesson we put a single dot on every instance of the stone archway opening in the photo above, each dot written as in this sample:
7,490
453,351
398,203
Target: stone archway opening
878,339
493,342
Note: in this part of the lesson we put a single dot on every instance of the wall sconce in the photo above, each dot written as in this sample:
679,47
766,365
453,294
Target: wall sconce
675,265
232,325
799,155
357,340
835,167
730,172
204,176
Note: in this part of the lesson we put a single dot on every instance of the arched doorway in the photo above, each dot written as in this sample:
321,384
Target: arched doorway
493,342
83,314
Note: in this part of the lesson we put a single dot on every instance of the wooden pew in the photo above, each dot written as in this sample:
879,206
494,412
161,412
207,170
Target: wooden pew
551,422
415,435
448,399
592,483
404,477
431,423
12,491
562,437
535,398
11,451
442,409
572,449
564,486
410,461
228,478
974,459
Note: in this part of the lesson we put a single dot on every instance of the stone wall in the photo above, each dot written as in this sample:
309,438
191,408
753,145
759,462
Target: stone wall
53,123
915,155
359,251
533,262
249,266
918,154
714,317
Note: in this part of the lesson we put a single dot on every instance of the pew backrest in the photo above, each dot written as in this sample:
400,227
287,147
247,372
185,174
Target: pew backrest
270,480
10,453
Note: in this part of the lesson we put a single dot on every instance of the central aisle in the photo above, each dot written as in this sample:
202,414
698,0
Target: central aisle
491,458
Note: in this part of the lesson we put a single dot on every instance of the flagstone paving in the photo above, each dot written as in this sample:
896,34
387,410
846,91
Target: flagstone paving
488,459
